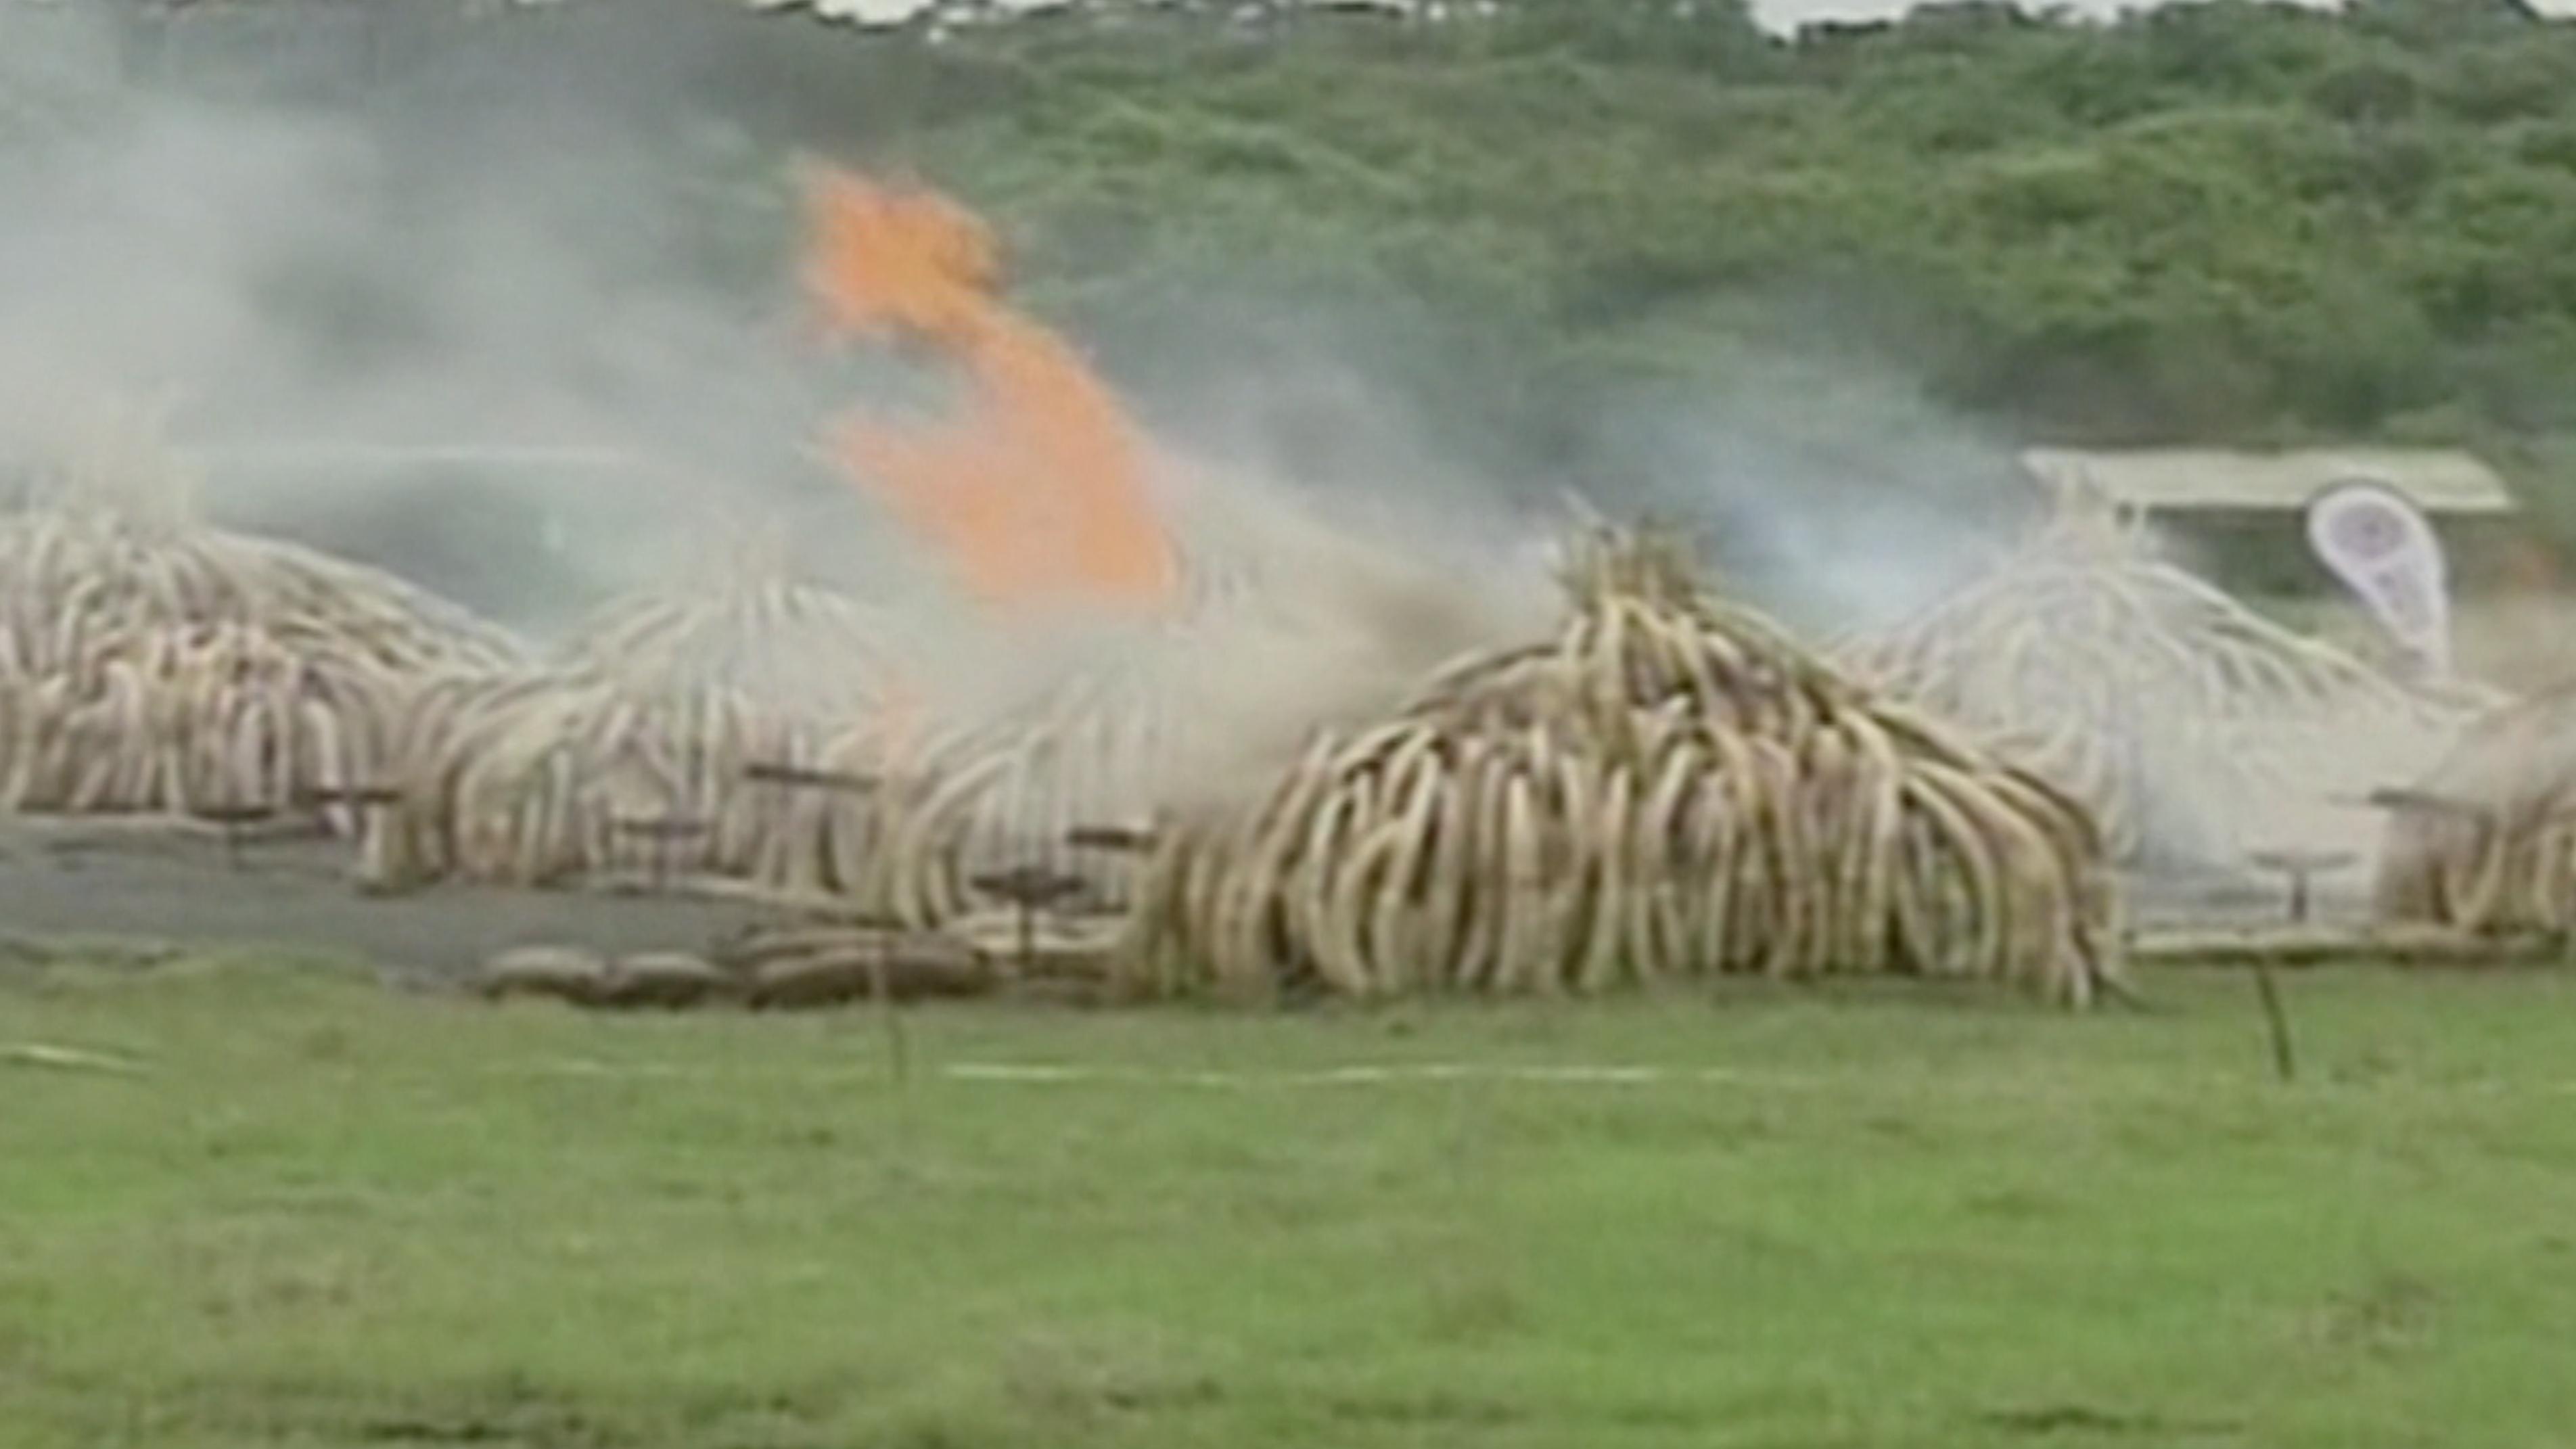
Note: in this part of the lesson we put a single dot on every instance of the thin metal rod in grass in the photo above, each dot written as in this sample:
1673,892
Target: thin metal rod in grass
2300,869
880,982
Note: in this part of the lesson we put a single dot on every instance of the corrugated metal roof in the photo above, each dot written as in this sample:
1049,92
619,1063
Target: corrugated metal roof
862,13
898,12
856,12
2439,480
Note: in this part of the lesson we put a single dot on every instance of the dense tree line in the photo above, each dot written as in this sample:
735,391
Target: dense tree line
2212,222
2221,221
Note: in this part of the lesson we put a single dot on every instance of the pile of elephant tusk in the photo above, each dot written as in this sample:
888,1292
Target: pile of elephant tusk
2486,843
1668,788
2195,729
636,751
1665,788
160,666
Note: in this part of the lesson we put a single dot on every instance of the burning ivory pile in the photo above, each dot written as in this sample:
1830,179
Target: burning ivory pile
756,734
150,664
1668,788
641,750
2486,842
2197,731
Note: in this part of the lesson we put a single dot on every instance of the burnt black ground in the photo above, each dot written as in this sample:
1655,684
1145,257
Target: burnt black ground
140,884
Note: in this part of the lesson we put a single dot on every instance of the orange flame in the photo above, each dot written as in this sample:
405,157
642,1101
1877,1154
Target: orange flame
1036,489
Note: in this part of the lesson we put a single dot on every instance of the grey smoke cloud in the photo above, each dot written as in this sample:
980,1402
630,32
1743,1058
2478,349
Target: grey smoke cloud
1828,489
394,330
429,317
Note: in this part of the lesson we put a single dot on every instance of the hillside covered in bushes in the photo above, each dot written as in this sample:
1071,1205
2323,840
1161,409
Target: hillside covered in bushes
2224,222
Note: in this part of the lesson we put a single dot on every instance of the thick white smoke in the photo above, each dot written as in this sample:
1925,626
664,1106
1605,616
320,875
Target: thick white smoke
476,342
533,343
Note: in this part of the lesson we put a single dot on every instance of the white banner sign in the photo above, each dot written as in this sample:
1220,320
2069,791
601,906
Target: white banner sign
2380,544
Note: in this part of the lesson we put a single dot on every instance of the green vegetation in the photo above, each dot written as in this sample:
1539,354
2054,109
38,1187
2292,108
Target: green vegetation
2228,222
314,1214
2224,222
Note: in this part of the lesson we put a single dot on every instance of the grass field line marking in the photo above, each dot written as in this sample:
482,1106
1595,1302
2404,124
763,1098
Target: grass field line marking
66,1059
586,1067
1039,1074
1363,1075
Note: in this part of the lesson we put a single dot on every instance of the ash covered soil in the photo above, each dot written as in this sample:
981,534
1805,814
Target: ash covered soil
126,886
121,887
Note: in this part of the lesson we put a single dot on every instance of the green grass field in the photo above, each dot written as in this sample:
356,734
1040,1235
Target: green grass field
315,1214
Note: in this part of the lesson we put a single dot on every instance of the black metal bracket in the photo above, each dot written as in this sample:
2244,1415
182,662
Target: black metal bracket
662,831
1029,888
